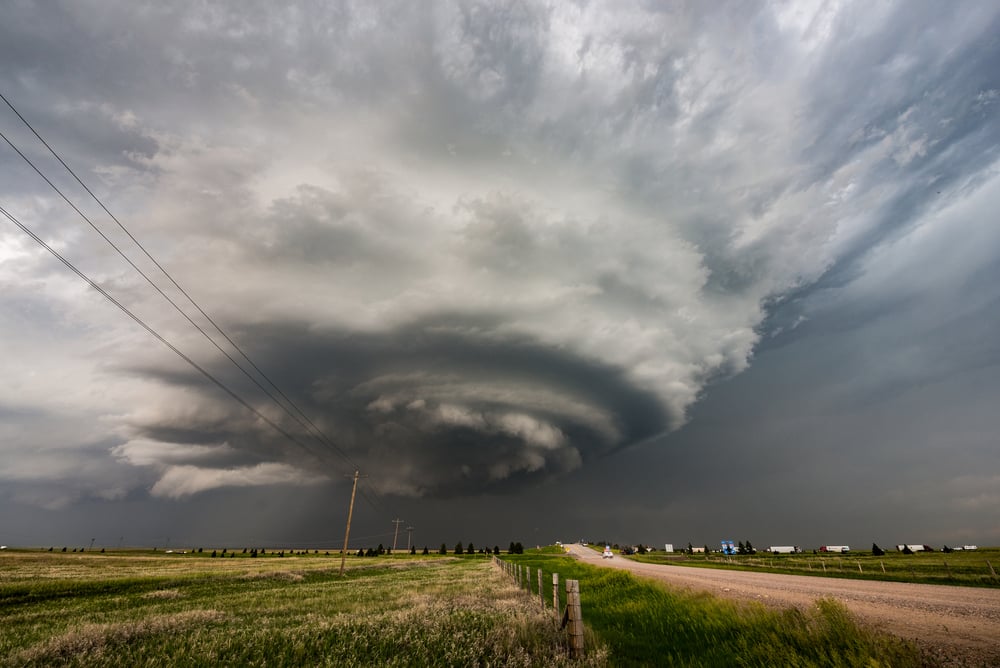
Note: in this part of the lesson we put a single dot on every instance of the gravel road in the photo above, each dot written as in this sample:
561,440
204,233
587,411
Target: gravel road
958,625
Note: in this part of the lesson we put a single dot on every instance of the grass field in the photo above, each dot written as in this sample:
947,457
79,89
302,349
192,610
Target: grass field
163,610
646,623
968,568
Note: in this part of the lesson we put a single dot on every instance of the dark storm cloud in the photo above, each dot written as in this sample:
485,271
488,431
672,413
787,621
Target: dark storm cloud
485,244
443,406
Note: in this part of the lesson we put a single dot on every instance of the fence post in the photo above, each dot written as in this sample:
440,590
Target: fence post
541,592
555,592
575,617
859,567
993,572
882,565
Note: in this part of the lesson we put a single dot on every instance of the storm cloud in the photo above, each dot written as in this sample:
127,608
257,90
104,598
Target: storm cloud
490,247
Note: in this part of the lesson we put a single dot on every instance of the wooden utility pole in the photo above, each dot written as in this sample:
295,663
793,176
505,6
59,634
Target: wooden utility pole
397,522
409,535
350,512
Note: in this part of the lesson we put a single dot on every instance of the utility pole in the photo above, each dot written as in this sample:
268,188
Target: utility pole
409,534
350,511
397,522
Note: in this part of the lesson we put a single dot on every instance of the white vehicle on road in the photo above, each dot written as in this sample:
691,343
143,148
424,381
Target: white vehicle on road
608,554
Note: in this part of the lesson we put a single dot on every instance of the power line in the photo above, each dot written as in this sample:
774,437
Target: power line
165,295
301,418
149,329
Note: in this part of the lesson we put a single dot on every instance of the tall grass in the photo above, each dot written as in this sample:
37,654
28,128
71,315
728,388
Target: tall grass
167,611
645,623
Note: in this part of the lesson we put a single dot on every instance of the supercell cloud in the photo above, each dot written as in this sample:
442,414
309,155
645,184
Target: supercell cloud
478,244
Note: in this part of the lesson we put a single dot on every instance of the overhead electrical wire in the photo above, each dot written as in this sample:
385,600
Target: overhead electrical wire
301,418
159,337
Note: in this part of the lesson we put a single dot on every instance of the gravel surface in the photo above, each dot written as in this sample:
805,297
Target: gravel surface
959,626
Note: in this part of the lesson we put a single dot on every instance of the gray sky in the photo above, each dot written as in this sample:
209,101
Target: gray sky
636,271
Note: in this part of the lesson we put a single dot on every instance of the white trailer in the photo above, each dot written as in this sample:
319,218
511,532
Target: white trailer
784,549
912,546
835,548
668,547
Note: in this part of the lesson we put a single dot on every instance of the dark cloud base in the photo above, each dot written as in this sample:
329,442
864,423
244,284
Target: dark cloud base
440,407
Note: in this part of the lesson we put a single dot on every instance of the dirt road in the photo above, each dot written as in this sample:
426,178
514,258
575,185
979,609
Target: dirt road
959,625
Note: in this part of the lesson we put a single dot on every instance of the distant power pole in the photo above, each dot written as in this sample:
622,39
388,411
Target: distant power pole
409,534
397,522
350,511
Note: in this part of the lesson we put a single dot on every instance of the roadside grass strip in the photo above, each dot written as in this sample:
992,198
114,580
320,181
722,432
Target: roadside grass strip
642,622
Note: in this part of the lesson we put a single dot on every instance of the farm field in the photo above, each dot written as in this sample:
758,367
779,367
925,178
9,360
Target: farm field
976,568
163,610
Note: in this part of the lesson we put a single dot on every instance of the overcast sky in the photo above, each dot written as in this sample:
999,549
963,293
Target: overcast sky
657,272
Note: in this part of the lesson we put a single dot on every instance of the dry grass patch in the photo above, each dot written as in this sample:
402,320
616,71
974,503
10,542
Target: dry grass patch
90,641
163,594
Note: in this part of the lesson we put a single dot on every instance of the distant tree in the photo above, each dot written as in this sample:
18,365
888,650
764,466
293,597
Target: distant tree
214,554
750,548
50,549
471,549
690,548
413,549
102,550
518,548
380,549
444,549
458,547
371,552
510,550
877,551
707,551
361,551
496,549
425,552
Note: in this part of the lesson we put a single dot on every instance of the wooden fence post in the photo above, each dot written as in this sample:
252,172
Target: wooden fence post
555,592
992,572
541,592
575,618
859,567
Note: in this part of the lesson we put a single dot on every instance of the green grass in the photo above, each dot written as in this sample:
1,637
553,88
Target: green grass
966,568
166,610
646,623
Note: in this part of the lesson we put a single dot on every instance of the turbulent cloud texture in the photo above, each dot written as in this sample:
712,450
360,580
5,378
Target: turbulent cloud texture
479,244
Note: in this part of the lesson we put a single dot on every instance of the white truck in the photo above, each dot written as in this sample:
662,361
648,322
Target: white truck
784,549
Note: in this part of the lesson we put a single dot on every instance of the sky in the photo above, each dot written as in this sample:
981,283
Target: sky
655,272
